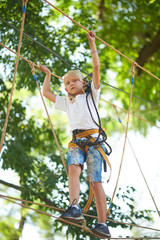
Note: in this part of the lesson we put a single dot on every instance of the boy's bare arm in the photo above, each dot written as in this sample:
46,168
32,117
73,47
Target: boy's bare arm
95,59
46,84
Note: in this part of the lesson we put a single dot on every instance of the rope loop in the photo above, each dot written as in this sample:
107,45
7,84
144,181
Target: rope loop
32,65
115,107
134,64
24,6
25,2
84,227
108,212
117,113
13,83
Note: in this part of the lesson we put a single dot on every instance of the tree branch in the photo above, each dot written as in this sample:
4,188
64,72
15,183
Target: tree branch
148,50
11,185
101,10
46,200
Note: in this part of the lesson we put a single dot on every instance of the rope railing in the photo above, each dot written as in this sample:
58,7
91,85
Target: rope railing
27,59
85,29
62,79
15,73
149,190
33,64
126,131
72,65
62,210
42,45
50,122
84,227
134,115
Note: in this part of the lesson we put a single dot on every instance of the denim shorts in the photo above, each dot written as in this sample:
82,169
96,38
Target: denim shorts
93,158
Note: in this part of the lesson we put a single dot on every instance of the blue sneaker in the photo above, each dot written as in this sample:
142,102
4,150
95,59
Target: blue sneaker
72,214
101,230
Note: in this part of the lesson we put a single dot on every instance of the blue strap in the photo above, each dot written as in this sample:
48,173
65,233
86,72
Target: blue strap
104,166
110,205
132,80
35,78
87,93
24,9
119,120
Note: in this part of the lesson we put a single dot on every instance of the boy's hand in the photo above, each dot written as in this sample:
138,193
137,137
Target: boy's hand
91,37
43,68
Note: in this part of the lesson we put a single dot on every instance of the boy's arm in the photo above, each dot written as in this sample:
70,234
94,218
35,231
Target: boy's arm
95,60
46,84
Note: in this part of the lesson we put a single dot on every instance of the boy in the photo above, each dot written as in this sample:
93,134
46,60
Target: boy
81,119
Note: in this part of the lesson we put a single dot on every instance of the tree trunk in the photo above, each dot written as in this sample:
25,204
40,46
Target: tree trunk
148,50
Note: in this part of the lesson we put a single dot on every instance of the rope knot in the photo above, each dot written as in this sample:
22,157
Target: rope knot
117,113
31,64
84,227
25,2
134,64
108,212
114,106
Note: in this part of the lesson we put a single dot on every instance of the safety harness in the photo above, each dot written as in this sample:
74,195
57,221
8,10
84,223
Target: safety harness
90,141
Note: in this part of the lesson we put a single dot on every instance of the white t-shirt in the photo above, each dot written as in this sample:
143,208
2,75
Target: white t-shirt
78,112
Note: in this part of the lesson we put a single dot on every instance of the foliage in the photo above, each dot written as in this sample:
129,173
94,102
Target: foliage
29,148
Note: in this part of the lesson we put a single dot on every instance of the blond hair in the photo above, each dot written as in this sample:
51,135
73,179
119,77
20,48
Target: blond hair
73,73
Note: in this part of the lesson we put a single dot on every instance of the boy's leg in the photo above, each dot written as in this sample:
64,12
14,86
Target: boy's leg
74,172
94,165
75,159
100,199
101,227
73,213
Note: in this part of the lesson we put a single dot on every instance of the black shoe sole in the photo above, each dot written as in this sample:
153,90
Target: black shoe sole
72,220
102,235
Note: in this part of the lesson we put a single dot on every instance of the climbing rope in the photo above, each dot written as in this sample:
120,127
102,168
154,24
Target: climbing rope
32,65
33,71
139,98
62,79
126,131
137,65
117,113
15,72
49,50
16,67
8,198
124,110
73,66
83,226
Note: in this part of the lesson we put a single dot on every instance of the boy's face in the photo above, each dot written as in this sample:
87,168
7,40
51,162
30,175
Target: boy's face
73,85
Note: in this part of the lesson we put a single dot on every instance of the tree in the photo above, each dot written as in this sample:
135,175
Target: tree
29,148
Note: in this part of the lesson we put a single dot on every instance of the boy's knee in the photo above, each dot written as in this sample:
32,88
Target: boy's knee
95,185
74,170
